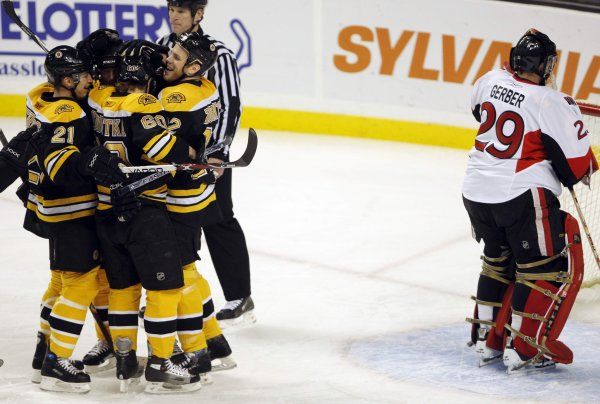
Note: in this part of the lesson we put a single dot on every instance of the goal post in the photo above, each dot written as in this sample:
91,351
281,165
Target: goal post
588,197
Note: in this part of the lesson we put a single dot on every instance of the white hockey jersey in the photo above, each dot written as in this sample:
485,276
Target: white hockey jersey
530,136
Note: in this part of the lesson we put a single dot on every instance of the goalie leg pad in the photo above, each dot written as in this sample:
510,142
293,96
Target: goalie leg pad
494,291
544,295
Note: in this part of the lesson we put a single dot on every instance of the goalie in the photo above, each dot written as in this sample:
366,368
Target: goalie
531,140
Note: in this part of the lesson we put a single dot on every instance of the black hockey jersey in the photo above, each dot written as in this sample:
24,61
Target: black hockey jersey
192,109
134,127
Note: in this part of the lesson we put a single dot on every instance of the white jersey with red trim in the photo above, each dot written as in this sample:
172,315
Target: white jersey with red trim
531,136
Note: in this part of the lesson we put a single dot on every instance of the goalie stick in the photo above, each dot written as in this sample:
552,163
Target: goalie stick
243,161
9,8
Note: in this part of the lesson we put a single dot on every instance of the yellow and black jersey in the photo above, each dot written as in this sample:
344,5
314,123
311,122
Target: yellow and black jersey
134,127
192,109
98,95
58,191
34,103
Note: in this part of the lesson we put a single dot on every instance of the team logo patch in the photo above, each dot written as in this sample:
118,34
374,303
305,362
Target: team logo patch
176,98
146,99
63,108
160,276
58,54
109,104
213,47
525,244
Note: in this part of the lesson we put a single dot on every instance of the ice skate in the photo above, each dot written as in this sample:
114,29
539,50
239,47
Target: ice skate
165,377
38,358
198,363
100,358
487,355
515,364
220,354
237,313
129,370
62,375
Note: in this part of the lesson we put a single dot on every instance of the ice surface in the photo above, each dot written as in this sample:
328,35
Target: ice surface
350,240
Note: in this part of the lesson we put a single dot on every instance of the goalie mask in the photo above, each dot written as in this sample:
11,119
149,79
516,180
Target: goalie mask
534,53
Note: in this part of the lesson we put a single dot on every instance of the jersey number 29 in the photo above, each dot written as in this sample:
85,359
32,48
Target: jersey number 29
512,141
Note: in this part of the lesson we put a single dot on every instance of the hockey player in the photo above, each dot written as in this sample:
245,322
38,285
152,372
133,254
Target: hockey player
225,239
64,199
531,140
192,106
102,46
138,240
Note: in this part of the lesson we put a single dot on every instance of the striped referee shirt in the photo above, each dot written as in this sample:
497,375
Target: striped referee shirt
224,74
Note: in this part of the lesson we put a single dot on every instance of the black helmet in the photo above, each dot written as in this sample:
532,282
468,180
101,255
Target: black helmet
102,46
200,50
534,53
66,61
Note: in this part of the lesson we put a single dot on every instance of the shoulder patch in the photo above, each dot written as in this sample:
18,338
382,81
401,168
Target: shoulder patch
176,98
147,99
109,104
61,109
570,100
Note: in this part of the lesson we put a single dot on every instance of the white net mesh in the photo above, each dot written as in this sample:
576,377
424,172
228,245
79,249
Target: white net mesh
589,198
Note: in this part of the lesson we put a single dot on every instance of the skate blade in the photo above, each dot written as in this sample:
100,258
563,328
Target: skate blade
166,388
529,369
36,376
52,384
490,361
125,386
108,364
245,319
206,379
226,363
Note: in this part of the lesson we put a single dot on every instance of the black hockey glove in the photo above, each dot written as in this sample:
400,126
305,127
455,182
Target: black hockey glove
15,152
103,165
125,205
98,42
154,52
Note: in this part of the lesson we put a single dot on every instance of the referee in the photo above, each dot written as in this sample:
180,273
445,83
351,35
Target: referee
225,239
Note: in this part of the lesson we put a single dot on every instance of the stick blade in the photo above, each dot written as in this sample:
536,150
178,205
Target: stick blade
250,152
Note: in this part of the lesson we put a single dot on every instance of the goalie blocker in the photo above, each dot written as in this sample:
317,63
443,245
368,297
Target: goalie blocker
532,272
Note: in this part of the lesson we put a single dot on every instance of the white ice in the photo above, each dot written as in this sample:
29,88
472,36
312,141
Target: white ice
362,268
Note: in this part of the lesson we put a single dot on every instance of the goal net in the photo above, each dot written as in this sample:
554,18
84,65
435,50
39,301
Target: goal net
588,197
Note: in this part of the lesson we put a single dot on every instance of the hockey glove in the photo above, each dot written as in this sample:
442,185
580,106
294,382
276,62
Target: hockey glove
103,165
15,152
125,206
98,42
155,53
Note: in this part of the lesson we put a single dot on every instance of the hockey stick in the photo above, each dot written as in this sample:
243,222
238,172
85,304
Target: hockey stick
585,226
9,8
243,161
102,326
122,190
3,139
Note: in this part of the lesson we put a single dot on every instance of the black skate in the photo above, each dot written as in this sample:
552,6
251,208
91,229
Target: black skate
129,371
38,358
220,354
99,358
237,313
198,363
62,375
165,377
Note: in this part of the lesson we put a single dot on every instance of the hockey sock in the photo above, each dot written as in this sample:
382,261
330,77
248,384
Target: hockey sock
69,311
101,301
211,325
160,320
52,293
189,311
123,307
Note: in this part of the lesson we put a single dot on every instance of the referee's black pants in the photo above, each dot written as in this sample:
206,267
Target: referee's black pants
227,246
